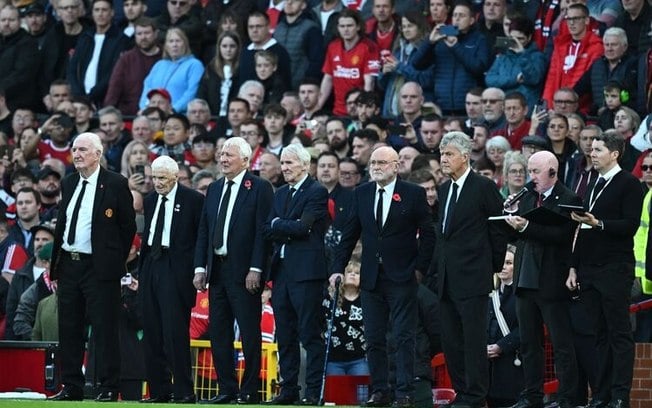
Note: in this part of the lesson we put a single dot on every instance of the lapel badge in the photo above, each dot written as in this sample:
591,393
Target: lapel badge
177,207
108,213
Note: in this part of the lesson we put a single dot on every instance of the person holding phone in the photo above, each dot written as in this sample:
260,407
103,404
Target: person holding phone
458,56
520,66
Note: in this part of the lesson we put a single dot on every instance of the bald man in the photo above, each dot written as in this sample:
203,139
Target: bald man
543,257
393,219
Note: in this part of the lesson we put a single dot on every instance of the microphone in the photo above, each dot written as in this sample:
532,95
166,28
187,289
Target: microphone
338,281
519,195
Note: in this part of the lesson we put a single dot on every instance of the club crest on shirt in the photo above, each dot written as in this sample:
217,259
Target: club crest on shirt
108,212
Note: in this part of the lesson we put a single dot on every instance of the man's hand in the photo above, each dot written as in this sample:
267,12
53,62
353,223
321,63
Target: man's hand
334,277
585,218
410,135
571,281
199,281
450,41
493,350
252,281
516,222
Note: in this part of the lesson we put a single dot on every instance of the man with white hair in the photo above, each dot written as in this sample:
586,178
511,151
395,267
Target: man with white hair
253,92
493,108
296,225
232,260
172,214
95,228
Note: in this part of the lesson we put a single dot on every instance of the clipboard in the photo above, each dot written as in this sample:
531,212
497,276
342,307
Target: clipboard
545,216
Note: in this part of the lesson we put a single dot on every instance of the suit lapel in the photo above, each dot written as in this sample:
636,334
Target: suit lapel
298,194
99,193
394,204
178,198
242,193
218,198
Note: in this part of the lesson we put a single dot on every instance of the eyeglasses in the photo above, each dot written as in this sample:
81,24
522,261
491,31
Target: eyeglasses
250,133
348,173
574,19
490,101
564,102
556,126
514,172
203,145
381,163
645,167
178,3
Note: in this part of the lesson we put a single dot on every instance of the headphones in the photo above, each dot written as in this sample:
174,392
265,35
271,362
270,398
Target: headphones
552,173
624,96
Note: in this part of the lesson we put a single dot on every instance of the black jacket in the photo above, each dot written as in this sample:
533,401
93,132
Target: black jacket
19,66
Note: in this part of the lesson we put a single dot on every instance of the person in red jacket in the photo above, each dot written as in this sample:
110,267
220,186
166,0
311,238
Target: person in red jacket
572,54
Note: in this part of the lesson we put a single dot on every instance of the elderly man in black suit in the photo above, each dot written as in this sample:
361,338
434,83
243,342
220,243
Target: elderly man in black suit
172,214
91,243
393,219
296,225
469,250
540,270
603,262
231,254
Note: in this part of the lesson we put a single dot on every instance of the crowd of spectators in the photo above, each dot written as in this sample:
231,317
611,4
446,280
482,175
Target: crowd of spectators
179,77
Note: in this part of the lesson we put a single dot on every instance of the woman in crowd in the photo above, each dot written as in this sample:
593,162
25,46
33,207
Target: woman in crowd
562,146
521,67
575,126
347,355
135,158
397,68
514,173
178,72
626,123
496,148
219,83
438,12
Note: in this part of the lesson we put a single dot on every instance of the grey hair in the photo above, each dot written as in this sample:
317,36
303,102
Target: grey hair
459,140
298,150
141,118
513,157
95,140
500,92
199,101
248,84
243,146
200,175
165,163
616,32
498,142
110,110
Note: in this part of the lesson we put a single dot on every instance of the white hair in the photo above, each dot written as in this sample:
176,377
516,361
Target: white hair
242,145
95,140
166,164
298,150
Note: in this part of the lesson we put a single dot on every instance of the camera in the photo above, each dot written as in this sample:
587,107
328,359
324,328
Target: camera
126,280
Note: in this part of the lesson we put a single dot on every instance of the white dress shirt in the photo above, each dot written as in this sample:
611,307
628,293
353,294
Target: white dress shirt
85,218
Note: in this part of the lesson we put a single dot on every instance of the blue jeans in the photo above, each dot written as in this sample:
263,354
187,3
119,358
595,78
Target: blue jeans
354,367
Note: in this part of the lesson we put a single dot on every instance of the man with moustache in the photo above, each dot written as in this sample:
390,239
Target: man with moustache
296,225
172,214
540,269
49,187
338,137
126,83
95,204
603,262
231,254
394,222
469,250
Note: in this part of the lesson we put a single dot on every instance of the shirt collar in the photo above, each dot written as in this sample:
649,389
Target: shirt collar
608,175
237,180
389,188
297,186
265,46
460,181
92,179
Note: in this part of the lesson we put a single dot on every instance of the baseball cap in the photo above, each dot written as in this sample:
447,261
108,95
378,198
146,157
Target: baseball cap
163,92
48,171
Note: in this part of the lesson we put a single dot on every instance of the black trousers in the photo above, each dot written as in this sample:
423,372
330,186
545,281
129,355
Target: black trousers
297,307
606,293
230,301
464,340
166,330
390,308
532,312
83,298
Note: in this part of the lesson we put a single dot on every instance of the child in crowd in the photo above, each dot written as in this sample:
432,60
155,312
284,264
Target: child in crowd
612,101
266,67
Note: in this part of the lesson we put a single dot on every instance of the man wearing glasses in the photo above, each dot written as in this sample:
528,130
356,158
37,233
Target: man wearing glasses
572,55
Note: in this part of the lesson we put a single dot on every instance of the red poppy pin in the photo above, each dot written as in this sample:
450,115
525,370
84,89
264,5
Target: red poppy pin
247,184
396,197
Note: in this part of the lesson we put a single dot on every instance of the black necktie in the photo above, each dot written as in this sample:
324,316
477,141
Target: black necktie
599,185
218,238
540,199
288,199
157,240
451,206
75,214
379,209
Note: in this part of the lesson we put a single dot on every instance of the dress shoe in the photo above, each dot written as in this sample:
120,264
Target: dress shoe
309,401
618,404
526,403
283,399
188,399
403,402
596,403
220,399
378,399
248,399
157,400
107,396
68,394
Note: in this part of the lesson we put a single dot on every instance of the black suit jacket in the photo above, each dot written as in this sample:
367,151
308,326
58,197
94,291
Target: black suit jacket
301,229
619,208
113,224
183,234
552,243
404,244
473,249
246,244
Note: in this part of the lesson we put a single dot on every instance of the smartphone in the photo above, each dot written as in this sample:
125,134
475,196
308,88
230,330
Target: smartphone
396,129
505,42
449,31
126,280
541,106
139,169
575,293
